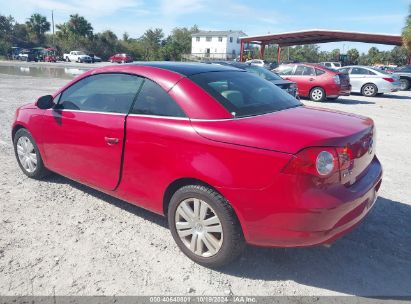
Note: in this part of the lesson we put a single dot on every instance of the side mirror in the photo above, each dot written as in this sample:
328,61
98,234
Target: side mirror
45,102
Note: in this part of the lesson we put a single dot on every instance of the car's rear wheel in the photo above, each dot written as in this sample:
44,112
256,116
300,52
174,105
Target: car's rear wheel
28,155
67,59
369,90
317,94
205,226
404,84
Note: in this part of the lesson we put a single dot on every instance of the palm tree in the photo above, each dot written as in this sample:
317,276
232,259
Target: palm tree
406,32
37,26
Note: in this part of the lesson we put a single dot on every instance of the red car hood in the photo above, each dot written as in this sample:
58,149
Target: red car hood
288,131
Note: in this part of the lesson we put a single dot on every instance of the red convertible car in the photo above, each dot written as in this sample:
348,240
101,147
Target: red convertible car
228,157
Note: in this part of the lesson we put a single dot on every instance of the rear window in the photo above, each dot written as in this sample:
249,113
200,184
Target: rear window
244,94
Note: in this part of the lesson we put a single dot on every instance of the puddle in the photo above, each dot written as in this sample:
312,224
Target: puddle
47,72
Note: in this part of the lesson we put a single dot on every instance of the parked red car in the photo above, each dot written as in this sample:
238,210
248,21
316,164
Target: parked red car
121,58
316,81
228,157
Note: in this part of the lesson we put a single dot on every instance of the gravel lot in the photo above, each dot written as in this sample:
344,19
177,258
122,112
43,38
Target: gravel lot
59,237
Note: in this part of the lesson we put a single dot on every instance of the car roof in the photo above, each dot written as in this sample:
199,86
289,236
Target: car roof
239,65
187,68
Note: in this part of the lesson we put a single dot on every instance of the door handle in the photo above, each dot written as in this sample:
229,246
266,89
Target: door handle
311,79
111,140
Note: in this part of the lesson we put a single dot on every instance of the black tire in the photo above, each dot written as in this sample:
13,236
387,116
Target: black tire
40,170
317,94
405,84
67,59
233,242
369,90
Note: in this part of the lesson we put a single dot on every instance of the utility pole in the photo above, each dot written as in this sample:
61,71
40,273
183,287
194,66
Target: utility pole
52,22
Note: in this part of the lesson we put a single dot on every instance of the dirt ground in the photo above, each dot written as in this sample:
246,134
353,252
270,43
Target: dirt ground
60,237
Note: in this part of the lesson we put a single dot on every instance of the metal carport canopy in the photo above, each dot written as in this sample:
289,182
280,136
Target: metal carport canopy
317,36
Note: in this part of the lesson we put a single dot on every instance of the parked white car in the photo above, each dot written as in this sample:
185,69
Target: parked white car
331,65
371,81
257,62
77,56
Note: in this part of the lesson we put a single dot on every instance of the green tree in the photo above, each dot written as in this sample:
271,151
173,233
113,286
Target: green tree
353,56
374,55
6,34
406,31
399,55
37,26
152,42
105,44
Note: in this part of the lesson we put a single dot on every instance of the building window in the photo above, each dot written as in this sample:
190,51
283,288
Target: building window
197,39
238,40
208,39
231,39
220,39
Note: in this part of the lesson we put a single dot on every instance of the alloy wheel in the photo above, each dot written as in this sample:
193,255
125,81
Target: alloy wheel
317,94
199,227
369,90
27,154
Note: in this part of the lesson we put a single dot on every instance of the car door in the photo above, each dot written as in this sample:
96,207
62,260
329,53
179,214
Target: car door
358,78
306,79
157,133
84,132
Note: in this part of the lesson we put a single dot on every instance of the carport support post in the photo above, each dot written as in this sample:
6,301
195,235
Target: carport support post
241,50
262,50
278,54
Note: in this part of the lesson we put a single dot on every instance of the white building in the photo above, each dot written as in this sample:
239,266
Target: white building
216,44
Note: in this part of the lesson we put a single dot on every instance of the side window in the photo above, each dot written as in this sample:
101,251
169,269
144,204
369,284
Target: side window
359,71
285,70
344,70
113,93
308,71
299,70
153,100
319,72
328,65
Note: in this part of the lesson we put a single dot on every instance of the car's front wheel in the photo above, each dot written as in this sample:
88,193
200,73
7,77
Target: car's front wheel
28,155
204,226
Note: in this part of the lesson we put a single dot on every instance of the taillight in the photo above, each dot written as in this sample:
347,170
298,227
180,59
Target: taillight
315,161
321,162
336,79
389,79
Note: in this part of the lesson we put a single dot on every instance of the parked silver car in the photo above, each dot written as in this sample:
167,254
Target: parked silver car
371,81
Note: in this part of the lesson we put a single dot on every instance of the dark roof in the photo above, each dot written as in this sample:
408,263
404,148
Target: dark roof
186,68
239,65
322,36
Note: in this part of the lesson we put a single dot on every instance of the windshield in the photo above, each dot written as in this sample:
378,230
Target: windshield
263,73
244,94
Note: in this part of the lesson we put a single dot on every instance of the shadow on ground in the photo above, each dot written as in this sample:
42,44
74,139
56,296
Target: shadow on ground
373,260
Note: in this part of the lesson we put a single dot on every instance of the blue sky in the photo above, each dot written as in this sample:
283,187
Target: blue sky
253,17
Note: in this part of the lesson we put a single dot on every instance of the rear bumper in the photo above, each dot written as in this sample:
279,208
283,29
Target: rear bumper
389,87
294,215
336,90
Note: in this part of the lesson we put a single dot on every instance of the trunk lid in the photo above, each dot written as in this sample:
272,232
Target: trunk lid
289,130
294,129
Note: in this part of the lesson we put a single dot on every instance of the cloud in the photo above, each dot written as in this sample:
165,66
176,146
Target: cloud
174,8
